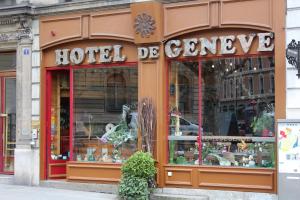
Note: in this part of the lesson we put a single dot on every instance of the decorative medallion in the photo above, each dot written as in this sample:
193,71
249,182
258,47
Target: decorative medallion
144,25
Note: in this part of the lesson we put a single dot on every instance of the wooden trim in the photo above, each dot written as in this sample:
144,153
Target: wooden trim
8,74
188,29
237,23
264,176
93,172
99,166
179,169
168,182
178,183
260,187
229,171
62,39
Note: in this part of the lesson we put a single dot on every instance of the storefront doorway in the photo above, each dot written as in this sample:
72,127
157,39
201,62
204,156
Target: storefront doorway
58,122
7,111
7,124
83,105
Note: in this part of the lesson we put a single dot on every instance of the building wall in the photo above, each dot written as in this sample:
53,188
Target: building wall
172,23
35,96
292,81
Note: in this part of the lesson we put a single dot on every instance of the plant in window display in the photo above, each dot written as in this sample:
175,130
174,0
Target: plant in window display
171,152
263,125
122,133
147,123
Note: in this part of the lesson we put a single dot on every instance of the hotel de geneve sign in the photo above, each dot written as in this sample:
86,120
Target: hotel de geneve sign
190,47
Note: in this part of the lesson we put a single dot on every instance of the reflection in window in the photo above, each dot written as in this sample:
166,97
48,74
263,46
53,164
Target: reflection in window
272,83
231,88
243,135
225,89
116,92
7,61
241,86
105,114
9,124
260,63
184,87
183,127
261,84
250,85
235,132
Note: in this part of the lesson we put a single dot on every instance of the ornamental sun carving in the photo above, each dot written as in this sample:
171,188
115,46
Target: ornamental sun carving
144,25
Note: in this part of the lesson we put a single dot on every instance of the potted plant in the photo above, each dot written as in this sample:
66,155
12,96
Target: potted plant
137,177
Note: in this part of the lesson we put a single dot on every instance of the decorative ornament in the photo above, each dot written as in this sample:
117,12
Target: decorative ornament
293,55
144,25
23,30
109,127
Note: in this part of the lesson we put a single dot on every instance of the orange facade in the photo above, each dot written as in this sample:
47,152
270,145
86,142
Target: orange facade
192,19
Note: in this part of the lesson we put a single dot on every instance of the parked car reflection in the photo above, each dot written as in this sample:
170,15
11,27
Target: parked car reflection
186,128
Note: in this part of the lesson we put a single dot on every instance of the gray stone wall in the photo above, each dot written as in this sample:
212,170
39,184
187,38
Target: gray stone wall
292,81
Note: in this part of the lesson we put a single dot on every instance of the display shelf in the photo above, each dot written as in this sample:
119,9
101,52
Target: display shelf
185,138
238,138
222,138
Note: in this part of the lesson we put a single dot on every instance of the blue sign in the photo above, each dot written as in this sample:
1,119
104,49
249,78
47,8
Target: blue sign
26,51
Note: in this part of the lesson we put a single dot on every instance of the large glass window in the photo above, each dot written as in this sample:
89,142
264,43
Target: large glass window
105,114
183,107
236,120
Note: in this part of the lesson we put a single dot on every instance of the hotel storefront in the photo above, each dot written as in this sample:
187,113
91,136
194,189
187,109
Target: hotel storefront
215,76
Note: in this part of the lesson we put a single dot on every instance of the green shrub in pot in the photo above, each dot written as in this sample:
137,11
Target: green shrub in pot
133,188
141,165
137,177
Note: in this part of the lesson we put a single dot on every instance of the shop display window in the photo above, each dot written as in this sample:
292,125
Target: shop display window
225,99
183,105
105,114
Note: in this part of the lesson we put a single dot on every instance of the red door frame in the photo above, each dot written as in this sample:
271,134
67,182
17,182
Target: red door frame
2,110
49,161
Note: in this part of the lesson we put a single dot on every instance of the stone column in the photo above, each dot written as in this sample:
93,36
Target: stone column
24,153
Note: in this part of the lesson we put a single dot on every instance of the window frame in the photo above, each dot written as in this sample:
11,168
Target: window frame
200,59
70,69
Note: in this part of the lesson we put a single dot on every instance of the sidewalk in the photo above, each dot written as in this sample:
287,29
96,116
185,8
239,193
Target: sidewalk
16,192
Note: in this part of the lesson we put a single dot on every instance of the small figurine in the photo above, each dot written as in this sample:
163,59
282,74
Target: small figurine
242,146
251,161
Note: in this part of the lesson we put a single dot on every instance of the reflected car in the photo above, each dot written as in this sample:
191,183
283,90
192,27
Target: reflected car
186,127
